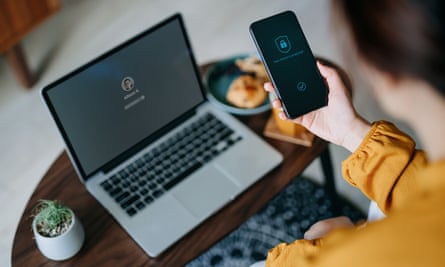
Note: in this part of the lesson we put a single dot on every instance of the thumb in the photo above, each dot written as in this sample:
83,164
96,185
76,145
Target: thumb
322,228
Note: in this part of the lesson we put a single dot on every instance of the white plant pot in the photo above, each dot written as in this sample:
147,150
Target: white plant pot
64,246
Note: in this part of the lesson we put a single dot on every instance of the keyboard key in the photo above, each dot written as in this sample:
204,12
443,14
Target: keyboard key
148,199
166,164
174,157
220,146
130,201
140,205
175,168
122,196
156,153
147,157
124,175
152,186
160,180
106,185
115,180
189,147
143,172
151,177
139,162
131,211
133,188
207,157
157,193
225,134
115,191
163,146
168,174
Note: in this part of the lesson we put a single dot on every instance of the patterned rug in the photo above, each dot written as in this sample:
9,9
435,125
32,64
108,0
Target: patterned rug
284,219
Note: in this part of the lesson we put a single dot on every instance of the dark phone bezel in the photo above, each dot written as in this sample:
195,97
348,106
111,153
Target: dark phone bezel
260,51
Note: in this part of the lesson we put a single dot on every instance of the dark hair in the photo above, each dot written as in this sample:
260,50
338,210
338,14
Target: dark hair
405,38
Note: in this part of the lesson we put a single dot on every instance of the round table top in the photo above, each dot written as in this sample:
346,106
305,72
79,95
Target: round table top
107,244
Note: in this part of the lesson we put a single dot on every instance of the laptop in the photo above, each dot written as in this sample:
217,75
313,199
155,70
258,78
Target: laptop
145,141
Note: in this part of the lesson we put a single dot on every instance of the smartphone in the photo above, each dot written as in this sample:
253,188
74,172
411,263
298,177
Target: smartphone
290,63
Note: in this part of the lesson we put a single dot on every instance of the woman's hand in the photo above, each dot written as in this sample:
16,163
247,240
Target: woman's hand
338,122
324,227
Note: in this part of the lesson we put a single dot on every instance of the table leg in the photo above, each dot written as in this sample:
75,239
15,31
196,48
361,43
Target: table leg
328,171
16,59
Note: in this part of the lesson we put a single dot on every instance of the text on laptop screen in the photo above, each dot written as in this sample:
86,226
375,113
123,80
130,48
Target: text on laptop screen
126,96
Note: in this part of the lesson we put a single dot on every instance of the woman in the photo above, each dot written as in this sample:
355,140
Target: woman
400,47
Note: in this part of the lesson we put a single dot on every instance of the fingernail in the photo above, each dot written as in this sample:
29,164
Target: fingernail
282,116
309,235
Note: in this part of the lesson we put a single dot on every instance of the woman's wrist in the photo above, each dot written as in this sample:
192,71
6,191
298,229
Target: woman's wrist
357,132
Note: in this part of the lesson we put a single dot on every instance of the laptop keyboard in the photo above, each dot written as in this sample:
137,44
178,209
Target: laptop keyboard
159,170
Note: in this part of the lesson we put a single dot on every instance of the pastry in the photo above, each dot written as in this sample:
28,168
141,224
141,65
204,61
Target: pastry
246,92
253,65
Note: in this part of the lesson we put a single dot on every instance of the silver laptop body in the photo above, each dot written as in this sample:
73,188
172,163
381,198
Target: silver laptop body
126,118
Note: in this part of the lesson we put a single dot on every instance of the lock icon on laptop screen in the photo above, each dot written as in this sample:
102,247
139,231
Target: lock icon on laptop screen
283,44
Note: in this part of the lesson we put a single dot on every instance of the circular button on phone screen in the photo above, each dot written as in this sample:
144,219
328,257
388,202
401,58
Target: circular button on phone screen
301,86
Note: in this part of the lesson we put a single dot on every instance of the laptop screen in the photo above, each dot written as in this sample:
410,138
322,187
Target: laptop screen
118,100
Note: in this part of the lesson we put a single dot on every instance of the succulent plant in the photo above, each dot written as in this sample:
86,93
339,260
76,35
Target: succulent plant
52,218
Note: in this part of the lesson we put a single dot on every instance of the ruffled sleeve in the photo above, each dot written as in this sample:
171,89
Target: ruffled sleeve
385,165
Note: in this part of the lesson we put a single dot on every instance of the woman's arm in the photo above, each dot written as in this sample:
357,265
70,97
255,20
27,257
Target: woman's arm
384,158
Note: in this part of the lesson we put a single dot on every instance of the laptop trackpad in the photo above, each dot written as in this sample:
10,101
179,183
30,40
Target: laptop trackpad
205,191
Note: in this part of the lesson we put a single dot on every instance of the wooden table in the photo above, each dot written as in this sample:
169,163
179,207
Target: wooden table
107,244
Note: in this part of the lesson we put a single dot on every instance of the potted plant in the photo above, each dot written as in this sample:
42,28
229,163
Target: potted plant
58,232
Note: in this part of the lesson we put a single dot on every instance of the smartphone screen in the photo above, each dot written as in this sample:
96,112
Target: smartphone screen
290,63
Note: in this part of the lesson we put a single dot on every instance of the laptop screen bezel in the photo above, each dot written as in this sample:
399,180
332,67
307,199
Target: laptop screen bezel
111,164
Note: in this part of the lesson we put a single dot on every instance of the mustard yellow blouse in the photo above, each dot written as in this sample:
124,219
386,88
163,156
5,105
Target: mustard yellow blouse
410,190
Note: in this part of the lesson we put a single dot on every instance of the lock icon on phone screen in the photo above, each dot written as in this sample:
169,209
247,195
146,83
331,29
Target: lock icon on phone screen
283,44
